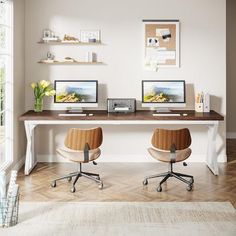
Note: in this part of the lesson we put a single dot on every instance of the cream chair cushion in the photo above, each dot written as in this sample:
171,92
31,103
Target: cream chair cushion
78,156
164,156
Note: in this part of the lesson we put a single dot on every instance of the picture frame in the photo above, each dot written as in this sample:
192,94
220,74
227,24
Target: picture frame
47,33
90,36
161,44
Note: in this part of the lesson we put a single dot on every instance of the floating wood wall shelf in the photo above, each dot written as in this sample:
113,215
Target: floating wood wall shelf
70,63
69,43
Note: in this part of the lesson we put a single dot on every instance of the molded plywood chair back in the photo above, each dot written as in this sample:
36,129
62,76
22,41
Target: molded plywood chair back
164,139
76,139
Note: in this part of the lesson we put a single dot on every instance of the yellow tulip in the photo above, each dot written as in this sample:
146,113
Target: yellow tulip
33,85
47,93
52,92
44,83
47,83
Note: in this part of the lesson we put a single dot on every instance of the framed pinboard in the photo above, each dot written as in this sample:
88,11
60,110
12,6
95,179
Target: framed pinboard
161,43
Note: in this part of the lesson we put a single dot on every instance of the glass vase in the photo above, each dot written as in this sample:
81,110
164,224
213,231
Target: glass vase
38,105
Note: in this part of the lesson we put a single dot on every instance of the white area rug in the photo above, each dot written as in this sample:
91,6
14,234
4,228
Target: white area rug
124,218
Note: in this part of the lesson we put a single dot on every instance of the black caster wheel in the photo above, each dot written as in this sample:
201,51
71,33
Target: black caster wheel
72,190
145,182
189,187
159,188
69,179
98,178
53,184
100,186
184,164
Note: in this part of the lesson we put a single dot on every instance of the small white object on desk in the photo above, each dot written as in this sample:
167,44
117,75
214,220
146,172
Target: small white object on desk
90,114
121,109
78,114
199,107
206,102
171,114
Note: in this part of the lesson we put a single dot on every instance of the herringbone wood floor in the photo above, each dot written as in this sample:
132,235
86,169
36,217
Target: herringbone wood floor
231,150
123,182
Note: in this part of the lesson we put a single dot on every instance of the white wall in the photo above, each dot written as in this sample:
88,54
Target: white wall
18,81
202,51
231,68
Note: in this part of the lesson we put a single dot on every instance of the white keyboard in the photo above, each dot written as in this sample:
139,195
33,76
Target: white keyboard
171,114
66,114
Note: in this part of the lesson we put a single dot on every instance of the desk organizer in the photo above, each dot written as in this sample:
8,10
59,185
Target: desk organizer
199,107
202,102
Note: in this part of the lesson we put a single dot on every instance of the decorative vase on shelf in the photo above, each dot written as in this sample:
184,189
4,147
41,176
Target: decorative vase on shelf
38,105
41,89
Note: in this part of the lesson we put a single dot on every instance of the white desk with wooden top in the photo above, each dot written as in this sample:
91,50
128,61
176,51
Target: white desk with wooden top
101,117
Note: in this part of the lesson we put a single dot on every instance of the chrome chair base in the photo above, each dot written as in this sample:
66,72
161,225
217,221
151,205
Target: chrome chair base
77,175
169,174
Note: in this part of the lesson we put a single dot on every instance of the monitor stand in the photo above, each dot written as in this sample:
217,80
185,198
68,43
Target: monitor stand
74,109
163,110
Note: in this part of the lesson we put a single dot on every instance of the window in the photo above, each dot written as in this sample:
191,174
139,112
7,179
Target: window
6,88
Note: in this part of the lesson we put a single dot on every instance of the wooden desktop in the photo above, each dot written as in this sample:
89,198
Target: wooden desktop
138,115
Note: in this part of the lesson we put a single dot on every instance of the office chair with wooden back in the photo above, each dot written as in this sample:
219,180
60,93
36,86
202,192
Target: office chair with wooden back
82,147
171,146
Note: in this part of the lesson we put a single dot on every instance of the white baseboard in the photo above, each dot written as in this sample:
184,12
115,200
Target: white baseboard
231,135
16,167
103,158
126,158
19,164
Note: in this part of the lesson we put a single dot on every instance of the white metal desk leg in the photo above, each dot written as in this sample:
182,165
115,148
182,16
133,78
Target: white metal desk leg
211,158
30,160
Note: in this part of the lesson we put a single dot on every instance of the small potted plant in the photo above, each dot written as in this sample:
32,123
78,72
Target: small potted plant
41,89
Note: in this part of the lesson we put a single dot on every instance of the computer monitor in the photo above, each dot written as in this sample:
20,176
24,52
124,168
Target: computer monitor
76,94
163,94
